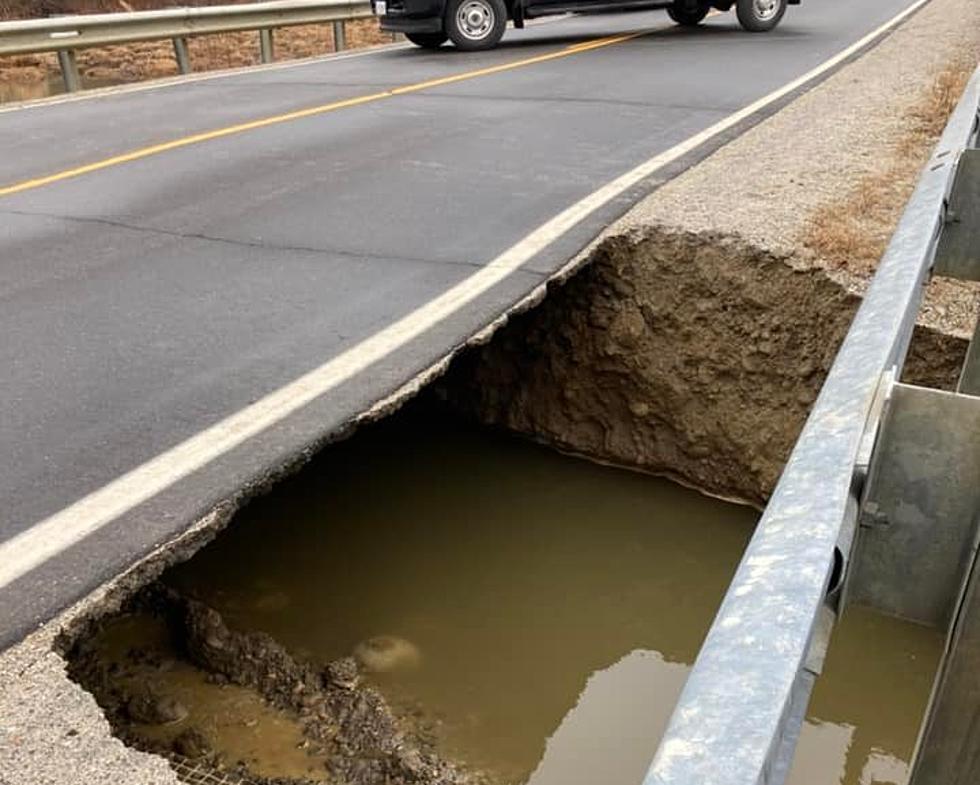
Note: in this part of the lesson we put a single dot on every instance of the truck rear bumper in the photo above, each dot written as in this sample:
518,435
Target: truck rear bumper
413,16
398,24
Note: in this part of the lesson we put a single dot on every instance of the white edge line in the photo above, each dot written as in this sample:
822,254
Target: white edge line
51,536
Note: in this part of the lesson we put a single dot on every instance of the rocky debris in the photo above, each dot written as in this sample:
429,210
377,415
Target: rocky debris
343,673
193,744
344,720
695,356
255,660
151,708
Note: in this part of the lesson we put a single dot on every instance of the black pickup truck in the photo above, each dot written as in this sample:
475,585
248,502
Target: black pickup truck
480,24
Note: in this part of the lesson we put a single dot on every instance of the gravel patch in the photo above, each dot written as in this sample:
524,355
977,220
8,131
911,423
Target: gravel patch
766,185
52,732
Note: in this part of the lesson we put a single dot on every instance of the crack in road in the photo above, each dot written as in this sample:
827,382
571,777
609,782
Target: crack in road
338,252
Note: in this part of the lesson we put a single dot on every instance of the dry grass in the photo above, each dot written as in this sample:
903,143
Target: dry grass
852,233
25,9
28,76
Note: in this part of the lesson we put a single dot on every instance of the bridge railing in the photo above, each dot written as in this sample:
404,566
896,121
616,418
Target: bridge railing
66,34
742,709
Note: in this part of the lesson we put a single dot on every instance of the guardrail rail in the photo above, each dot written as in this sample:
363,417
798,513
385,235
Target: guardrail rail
877,504
67,34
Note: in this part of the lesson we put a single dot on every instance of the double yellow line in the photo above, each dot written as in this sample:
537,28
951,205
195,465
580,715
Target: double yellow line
313,111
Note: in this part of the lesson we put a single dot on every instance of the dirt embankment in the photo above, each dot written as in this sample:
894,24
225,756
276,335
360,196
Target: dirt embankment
692,356
695,341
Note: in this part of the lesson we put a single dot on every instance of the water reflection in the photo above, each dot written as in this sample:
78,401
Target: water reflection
609,735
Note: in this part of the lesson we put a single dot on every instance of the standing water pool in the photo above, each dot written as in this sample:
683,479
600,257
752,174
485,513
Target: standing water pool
545,609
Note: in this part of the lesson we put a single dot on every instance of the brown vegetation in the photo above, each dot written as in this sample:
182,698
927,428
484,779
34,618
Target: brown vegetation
26,9
28,76
853,232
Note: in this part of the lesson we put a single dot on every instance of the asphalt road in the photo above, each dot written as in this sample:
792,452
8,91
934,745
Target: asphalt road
145,301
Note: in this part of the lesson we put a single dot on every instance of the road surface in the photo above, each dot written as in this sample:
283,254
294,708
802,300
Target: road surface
202,280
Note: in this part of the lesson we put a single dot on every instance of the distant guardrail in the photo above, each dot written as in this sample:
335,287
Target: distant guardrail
879,504
67,34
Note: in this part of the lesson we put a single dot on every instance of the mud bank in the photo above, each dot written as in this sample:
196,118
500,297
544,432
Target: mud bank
346,731
688,355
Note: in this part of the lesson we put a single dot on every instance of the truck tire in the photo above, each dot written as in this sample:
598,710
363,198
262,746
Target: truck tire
760,16
427,40
687,13
473,25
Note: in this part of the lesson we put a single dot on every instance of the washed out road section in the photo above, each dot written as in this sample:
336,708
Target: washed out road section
144,302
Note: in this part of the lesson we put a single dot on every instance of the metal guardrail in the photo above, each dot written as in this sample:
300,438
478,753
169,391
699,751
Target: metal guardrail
740,714
66,34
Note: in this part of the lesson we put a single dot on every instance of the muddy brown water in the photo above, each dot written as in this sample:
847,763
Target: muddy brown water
552,607
233,719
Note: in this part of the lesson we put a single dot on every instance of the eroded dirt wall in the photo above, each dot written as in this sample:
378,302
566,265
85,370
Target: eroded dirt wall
679,354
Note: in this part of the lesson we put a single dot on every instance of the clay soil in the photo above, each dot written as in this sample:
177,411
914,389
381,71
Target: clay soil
698,354
695,357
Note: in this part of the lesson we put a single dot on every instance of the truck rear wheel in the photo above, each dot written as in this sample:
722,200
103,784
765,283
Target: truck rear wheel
427,40
760,16
688,13
475,24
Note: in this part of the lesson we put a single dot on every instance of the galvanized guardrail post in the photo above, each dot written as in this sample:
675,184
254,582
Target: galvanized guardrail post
67,34
69,70
339,36
741,711
182,54
267,45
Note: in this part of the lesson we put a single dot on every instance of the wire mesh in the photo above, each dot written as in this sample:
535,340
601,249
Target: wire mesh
193,772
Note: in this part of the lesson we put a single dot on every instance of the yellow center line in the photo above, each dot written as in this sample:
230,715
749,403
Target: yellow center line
220,133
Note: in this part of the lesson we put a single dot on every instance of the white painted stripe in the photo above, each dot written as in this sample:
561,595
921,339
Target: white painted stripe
53,535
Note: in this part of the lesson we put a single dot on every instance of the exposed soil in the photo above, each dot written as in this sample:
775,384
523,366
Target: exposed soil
345,723
692,356
686,348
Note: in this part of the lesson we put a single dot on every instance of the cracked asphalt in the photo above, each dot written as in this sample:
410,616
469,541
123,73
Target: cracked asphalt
144,302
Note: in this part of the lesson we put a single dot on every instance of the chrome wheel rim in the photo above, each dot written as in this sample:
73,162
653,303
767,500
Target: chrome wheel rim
766,9
475,19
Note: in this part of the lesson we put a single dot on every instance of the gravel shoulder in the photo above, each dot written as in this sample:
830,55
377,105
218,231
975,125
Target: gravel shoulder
767,186
762,191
